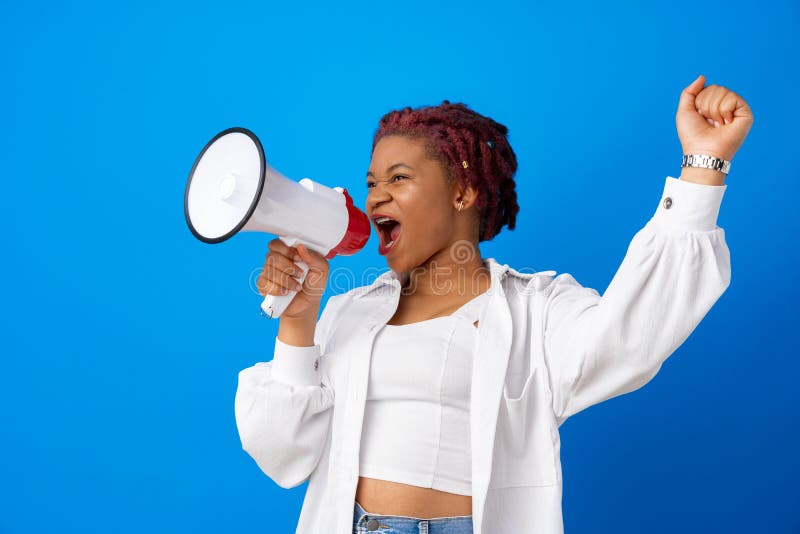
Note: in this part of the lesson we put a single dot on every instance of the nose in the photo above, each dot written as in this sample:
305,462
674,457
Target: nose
377,195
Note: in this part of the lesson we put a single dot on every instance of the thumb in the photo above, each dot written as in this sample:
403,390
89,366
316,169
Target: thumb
690,93
317,273
310,257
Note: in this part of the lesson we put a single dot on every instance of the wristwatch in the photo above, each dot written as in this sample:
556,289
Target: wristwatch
706,162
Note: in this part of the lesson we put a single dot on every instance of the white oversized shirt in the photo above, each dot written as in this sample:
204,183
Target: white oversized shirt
547,348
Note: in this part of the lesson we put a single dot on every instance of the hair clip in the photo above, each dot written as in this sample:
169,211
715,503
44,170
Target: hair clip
490,143
464,164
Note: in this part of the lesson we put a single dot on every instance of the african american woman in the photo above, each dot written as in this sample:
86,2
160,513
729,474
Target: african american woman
429,400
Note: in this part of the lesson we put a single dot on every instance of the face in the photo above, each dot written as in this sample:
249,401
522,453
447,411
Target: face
410,189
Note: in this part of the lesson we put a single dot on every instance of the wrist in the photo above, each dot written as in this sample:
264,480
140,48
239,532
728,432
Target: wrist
704,167
702,176
298,331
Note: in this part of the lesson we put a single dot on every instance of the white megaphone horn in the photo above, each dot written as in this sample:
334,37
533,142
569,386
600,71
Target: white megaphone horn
232,189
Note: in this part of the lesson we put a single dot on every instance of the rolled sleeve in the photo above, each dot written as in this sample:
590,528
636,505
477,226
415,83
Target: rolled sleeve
688,206
296,365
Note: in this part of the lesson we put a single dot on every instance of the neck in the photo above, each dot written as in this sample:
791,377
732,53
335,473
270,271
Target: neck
450,274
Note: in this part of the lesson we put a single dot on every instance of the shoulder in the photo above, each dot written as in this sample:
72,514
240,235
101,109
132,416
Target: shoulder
543,284
336,304
345,312
526,281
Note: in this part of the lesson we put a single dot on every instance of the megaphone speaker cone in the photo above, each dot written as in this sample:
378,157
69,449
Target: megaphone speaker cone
224,185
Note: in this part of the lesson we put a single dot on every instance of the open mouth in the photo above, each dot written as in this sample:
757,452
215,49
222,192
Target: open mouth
389,231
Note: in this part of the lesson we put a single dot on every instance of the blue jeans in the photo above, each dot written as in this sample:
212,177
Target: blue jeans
365,522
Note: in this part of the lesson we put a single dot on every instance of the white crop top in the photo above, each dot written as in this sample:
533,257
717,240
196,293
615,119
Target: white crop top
416,426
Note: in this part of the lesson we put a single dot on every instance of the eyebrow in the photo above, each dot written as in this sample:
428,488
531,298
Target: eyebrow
391,168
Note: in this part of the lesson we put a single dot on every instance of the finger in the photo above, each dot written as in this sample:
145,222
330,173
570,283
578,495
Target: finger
269,278
282,271
269,282
266,286
282,278
317,265
270,287
714,101
280,262
727,106
690,93
704,104
741,109
312,257
701,102
277,245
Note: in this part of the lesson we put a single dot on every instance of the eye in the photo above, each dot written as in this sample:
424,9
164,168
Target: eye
394,178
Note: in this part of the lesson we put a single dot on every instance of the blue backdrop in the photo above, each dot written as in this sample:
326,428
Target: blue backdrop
123,335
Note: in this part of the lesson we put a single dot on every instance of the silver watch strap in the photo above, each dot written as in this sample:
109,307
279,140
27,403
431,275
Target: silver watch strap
706,162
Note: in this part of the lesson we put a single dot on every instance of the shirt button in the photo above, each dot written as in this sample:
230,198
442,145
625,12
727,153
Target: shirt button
667,203
372,524
316,364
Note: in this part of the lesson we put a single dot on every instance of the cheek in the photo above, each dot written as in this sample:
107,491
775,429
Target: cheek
428,221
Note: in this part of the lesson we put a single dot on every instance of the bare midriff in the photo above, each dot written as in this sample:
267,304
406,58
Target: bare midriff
393,498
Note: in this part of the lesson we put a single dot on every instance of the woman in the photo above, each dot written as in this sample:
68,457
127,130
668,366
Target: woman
430,399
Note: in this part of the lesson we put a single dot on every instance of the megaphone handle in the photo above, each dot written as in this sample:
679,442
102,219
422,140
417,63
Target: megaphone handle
274,305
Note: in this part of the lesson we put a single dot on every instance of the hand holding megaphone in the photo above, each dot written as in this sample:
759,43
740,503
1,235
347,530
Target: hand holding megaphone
294,272
231,189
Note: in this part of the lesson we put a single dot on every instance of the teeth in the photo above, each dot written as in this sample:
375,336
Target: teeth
381,221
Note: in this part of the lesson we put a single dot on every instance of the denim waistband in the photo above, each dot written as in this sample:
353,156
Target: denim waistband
365,522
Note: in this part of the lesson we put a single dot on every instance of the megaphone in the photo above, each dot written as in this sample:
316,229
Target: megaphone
232,189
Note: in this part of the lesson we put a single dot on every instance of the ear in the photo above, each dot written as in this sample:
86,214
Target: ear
468,194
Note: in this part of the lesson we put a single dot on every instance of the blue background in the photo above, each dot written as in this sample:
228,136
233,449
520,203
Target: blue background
123,335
